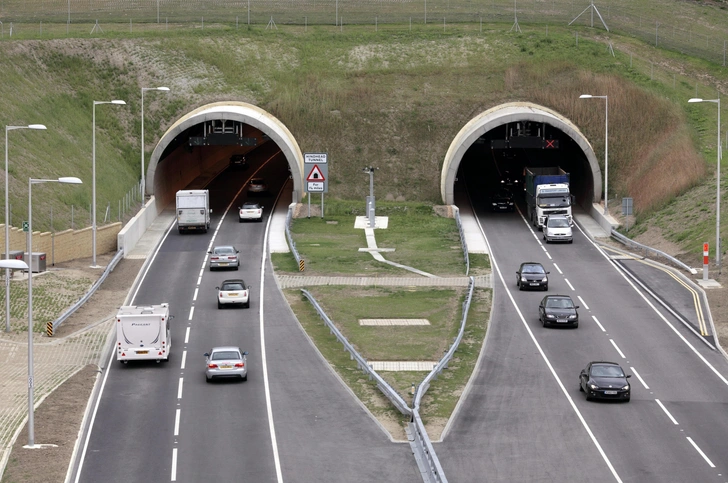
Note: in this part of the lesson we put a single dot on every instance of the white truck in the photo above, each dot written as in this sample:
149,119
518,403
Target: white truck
193,210
547,194
142,333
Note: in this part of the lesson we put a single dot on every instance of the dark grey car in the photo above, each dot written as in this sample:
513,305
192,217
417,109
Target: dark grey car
558,310
532,275
604,380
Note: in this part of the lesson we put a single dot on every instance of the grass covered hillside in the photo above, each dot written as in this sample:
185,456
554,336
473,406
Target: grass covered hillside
391,97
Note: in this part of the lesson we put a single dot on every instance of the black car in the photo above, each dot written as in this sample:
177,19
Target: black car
532,275
502,200
558,310
604,380
238,161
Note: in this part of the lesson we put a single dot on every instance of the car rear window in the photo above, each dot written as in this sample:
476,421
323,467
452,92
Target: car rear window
250,206
233,286
224,355
224,250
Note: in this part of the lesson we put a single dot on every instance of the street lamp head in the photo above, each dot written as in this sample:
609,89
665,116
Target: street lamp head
117,101
695,99
585,96
162,88
37,126
70,180
14,264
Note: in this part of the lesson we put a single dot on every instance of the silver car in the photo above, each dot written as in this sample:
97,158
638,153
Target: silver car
224,257
226,361
257,186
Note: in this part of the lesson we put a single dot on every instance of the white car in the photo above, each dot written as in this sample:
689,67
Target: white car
250,211
557,229
233,292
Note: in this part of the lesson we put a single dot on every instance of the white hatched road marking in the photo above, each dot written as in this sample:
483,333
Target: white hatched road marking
394,322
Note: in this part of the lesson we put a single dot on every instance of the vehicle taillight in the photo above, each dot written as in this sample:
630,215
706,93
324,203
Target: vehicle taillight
214,258
240,364
245,293
232,258
212,366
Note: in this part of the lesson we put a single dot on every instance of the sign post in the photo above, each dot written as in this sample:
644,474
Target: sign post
706,260
316,169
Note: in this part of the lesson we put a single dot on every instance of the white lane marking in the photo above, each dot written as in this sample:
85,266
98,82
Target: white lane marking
582,302
548,255
176,422
559,270
546,360
179,388
192,312
569,284
600,325
204,263
174,464
194,297
108,364
659,314
659,403
199,280
639,377
184,359
202,270
266,383
187,335
705,457
615,346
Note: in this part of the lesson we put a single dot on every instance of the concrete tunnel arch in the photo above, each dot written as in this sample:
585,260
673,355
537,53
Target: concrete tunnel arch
509,113
164,188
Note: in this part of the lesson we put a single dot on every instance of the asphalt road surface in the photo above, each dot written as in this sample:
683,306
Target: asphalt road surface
292,420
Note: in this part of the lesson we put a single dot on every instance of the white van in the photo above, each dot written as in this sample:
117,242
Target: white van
557,228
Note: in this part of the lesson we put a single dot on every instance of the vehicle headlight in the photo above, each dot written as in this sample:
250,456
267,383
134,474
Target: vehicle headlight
572,317
550,316
495,204
626,388
544,279
593,386
523,279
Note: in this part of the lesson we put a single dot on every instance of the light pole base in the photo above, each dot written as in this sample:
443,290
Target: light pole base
40,446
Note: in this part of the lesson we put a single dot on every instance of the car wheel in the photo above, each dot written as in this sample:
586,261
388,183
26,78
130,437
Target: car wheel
208,380
576,325
219,305
237,267
588,397
245,377
544,323
246,305
240,220
545,287
581,389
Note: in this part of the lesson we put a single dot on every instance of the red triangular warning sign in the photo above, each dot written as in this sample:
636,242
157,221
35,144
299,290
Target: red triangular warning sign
315,174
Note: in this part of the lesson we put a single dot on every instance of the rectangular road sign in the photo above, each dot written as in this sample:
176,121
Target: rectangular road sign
315,158
316,172
315,187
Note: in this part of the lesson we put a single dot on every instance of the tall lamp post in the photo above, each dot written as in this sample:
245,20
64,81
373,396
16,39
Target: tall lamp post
144,185
606,147
717,183
7,220
31,182
370,201
93,176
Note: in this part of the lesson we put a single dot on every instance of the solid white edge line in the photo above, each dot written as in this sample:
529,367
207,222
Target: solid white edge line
569,284
184,359
192,312
108,365
263,355
179,387
617,348
176,422
582,302
659,403
599,323
634,371
187,335
194,297
559,270
659,314
174,465
604,456
697,448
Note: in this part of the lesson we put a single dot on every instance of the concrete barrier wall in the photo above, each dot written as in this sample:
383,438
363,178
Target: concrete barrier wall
64,245
135,228
605,221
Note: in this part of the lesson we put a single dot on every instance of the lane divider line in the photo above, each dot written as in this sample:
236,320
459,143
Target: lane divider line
187,335
174,464
700,451
199,280
582,302
176,422
184,358
559,270
569,284
192,312
179,388
659,403
194,297
598,323
617,348
634,371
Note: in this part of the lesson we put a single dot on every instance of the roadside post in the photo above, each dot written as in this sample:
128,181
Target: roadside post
317,168
627,209
706,260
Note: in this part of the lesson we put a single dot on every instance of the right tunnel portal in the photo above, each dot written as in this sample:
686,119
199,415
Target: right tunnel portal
496,146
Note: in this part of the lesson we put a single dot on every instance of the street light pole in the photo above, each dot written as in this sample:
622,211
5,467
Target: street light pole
31,182
717,183
606,147
93,176
7,220
370,205
144,185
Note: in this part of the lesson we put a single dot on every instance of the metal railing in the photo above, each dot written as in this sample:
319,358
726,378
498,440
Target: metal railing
629,242
289,237
463,243
109,268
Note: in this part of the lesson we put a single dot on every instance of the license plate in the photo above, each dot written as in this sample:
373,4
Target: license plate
561,320
142,352
223,264
232,295
610,392
226,366
533,284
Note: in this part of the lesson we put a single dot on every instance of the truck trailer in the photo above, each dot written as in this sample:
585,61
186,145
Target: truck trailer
143,333
193,210
547,193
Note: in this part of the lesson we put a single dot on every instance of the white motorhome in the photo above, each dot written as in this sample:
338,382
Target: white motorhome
193,210
143,333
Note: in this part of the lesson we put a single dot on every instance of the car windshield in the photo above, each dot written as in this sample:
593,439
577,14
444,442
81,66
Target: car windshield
558,201
558,223
225,355
250,206
233,286
532,269
607,371
560,303
224,251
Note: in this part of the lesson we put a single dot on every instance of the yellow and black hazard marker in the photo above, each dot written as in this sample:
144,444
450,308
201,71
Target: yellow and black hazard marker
49,329
301,265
